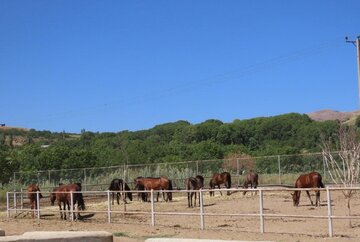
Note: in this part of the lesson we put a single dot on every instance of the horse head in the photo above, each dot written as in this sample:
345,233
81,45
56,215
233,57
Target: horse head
295,198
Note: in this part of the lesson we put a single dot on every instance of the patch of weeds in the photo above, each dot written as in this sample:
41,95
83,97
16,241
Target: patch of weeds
120,234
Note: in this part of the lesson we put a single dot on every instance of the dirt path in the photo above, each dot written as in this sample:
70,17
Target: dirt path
137,227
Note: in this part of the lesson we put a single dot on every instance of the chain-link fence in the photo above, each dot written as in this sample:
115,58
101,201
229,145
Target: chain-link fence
272,170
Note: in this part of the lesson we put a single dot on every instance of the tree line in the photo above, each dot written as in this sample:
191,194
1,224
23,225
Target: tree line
291,133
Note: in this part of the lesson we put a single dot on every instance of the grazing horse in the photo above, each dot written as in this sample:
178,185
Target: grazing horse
32,190
194,183
218,179
252,178
159,183
63,195
311,180
119,185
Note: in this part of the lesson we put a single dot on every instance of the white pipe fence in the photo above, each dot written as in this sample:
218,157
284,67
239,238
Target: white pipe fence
202,214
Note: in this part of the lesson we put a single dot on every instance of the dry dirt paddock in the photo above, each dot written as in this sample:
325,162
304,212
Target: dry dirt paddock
137,227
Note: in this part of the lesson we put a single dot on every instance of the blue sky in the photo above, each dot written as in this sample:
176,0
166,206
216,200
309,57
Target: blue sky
129,65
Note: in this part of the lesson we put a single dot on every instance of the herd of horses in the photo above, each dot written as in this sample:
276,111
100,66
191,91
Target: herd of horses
65,195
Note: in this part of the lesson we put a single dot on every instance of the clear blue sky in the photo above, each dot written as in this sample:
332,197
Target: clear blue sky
129,65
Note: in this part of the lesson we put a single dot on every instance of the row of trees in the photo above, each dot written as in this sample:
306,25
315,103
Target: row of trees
284,134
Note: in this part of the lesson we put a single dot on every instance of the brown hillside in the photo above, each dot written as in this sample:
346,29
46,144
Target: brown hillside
324,115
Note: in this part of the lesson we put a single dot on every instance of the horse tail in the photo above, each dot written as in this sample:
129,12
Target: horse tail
229,181
170,187
321,184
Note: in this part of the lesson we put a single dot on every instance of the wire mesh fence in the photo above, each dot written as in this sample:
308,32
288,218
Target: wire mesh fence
273,170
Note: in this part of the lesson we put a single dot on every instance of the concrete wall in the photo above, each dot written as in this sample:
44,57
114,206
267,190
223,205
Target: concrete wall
64,236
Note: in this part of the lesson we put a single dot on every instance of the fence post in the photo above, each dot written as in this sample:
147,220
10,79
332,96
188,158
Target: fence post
15,205
324,168
22,198
85,182
71,207
197,167
14,182
38,204
7,205
261,211
328,198
202,222
238,171
109,206
279,164
152,208
124,196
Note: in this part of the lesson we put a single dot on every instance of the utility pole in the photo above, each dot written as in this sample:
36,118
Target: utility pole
357,45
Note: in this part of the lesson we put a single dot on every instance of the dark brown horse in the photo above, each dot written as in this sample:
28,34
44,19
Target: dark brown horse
194,183
159,183
218,179
32,191
63,195
119,185
252,179
311,180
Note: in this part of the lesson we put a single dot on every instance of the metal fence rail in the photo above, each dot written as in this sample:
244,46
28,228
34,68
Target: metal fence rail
201,214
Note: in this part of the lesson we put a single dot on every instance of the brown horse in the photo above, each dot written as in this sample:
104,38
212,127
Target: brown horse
119,185
63,195
252,179
32,191
218,179
159,183
311,180
194,183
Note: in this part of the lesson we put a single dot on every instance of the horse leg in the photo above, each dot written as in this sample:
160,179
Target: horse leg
188,196
68,206
32,209
219,189
112,195
317,198
118,198
64,210
195,199
308,193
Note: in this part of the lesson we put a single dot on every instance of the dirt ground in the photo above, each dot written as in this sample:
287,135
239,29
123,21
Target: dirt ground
137,227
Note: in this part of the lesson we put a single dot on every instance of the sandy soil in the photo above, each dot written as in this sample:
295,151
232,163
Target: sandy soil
136,227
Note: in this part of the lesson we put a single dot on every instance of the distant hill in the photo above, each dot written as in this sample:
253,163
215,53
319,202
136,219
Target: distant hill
324,115
9,127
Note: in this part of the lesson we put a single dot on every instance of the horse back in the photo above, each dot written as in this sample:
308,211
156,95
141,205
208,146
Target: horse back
310,180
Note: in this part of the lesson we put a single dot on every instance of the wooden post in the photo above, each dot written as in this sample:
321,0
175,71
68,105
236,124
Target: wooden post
71,207
330,224
7,205
15,205
152,208
202,222
22,198
262,230
279,164
38,204
109,206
